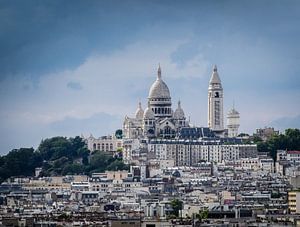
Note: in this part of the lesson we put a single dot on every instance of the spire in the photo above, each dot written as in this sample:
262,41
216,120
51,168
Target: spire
215,68
215,79
179,104
140,105
159,72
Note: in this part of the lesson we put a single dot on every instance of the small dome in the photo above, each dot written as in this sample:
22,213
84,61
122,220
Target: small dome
215,79
176,173
179,114
139,112
149,114
159,89
233,112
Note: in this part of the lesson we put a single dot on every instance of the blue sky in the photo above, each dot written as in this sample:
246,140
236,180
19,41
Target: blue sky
72,67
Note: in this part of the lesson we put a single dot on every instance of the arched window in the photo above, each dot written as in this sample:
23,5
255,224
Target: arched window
111,147
98,146
167,130
102,147
94,146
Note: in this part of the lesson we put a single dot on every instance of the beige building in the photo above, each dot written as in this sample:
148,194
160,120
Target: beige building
294,202
104,143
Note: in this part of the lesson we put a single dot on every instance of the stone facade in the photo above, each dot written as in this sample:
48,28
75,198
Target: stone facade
215,102
158,119
191,153
233,123
104,143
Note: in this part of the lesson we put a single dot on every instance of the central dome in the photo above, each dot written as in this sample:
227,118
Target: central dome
159,89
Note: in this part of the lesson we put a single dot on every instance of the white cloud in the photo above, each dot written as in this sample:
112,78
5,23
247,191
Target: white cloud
112,84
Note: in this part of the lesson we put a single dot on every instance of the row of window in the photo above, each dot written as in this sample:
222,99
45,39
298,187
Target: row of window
103,147
161,110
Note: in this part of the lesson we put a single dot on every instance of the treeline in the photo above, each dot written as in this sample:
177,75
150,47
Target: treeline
58,156
289,140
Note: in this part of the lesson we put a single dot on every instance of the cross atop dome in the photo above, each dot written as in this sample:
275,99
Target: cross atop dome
159,72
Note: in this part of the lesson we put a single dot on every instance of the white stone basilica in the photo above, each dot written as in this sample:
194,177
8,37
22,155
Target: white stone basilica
158,119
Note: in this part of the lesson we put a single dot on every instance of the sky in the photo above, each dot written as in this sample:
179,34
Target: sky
78,67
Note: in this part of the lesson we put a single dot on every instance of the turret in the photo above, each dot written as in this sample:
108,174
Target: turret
215,102
233,122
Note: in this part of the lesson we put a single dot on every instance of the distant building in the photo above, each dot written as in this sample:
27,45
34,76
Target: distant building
104,143
294,202
265,133
233,123
215,103
192,152
158,119
293,156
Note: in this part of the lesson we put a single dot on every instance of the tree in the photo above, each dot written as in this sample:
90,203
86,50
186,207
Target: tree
290,140
117,165
19,162
177,205
55,147
119,134
58,156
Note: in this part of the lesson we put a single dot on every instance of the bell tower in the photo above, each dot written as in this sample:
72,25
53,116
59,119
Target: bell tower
215,102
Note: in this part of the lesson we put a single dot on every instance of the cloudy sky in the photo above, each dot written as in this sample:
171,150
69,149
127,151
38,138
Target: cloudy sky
72,67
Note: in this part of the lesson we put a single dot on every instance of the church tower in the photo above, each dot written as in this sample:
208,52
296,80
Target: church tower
233,122
215,102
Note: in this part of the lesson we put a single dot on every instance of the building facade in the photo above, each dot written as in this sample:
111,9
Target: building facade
158,119
233,123
191,153
104,143
215,102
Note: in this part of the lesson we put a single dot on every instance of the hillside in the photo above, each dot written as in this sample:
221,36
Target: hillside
58,156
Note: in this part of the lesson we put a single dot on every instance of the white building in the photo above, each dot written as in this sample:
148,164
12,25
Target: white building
215,102
158,119
293,156
104,143
267,165
190,153
233,123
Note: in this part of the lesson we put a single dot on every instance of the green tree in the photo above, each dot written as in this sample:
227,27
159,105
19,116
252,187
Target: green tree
119,134
19,162
117,165
290,140
55,147
177,205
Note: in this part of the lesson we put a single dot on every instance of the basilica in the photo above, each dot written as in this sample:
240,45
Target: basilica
158,119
